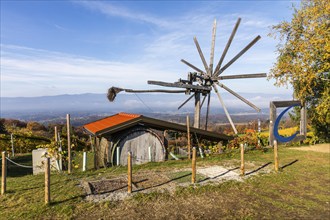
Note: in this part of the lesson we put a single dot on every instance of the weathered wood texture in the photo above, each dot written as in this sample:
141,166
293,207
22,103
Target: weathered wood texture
179,85
129,172
242,160
68,127
4,173
47,180
272,118
138,142
188,137
197,115
193,166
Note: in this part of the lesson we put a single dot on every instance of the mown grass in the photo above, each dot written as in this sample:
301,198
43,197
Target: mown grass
300,190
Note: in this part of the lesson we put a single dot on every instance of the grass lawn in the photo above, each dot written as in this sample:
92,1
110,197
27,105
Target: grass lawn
301,190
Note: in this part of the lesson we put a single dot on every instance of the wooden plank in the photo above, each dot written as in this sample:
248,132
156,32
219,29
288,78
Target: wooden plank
242,76
154,90
238,55
227,45
179,85
281,104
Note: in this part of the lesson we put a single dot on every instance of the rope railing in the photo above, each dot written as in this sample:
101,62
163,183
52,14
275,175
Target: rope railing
20,165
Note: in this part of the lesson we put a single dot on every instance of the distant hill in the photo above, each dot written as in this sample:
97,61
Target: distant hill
47,108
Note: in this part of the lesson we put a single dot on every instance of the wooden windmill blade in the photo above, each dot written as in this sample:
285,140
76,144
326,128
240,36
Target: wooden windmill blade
227,45
239,96
113,91
192,66
214,30
201,54
242,76
238,55
224,108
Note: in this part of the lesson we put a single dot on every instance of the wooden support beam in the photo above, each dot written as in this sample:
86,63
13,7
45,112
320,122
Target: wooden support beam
186,101
197,115
179,85
188,137
272,118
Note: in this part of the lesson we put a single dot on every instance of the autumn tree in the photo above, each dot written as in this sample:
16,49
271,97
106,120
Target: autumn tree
304,60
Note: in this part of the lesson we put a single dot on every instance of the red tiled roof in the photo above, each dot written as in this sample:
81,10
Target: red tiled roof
110,121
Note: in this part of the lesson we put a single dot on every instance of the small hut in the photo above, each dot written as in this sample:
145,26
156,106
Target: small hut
145,137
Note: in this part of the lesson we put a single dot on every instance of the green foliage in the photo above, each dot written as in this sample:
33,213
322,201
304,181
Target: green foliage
303,61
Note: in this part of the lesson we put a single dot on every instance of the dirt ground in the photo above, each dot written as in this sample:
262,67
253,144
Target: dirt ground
323,148
115,189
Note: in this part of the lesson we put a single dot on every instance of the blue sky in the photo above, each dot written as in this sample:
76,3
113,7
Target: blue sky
72,47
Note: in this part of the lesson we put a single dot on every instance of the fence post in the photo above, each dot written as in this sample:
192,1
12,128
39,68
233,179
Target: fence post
84,161
275,156
193,166
69,142
4,173
188,138
47,180
242,160
129,172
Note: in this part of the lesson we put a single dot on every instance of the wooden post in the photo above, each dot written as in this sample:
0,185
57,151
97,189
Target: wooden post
47,180
242,160
129,172
4,173
84,168
193,166
69,142
197,109
55,134
12,145
275,156
188,138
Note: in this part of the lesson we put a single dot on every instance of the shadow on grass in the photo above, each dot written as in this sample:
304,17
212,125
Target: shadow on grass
222,174
259,168
161,184
53,203
289,164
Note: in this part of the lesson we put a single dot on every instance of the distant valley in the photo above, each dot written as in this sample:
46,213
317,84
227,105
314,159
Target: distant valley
88,107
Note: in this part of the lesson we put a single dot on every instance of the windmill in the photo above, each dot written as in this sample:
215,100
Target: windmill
202,82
